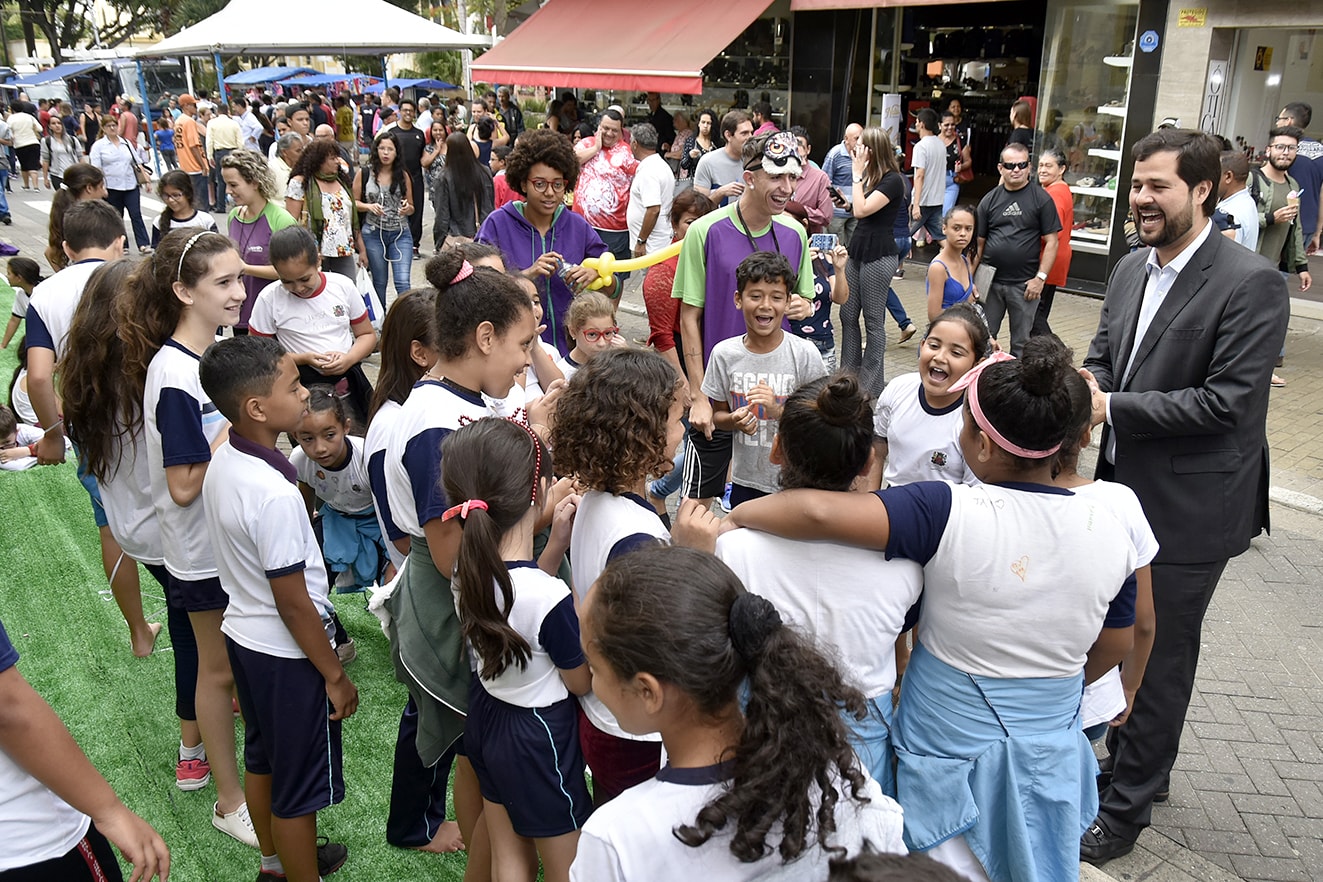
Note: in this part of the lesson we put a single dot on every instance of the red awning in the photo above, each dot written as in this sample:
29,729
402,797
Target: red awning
817,5
660,46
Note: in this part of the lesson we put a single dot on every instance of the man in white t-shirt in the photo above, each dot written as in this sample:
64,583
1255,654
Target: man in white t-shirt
649,213
929,163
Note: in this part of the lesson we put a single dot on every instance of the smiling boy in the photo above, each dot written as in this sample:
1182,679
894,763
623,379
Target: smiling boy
748,378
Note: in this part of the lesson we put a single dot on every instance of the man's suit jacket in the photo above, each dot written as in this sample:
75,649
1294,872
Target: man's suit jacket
1190,419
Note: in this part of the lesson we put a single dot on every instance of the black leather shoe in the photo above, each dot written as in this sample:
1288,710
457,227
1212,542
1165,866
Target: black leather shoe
1163,795
1098,845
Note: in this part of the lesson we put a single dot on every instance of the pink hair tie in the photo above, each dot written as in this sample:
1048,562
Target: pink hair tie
465,270
969,383
463,508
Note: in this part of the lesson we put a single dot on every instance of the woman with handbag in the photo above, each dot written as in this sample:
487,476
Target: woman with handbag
122,165
959,163
59,150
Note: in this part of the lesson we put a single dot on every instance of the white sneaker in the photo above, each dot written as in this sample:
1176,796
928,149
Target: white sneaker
237,824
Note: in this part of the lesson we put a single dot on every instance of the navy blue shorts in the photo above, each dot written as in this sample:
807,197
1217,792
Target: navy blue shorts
536,766
201,595
288,731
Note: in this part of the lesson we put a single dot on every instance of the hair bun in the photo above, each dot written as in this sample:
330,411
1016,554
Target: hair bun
1043,364
842,401
753,620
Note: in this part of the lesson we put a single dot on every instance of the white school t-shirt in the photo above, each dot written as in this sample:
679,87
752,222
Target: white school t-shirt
21,301
181,425
733,371
851,601
346,489
51,309
605,527
259,528
35,824
319,323
630,839
923,442
543,614
126,495
568,366
1018,578
413,455
1105,697
378,438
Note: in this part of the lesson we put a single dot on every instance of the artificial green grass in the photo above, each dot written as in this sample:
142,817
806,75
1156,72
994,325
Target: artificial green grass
74,648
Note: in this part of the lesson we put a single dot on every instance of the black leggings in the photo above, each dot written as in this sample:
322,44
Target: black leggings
185,646
91,860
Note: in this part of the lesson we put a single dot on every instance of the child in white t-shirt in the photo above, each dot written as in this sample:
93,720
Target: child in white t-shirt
332,466
592,325
748,378
918,418
750,715
23,274
18,443
319,318
292,688
626,407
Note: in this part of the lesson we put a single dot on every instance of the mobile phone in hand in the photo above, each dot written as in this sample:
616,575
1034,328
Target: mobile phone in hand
825,243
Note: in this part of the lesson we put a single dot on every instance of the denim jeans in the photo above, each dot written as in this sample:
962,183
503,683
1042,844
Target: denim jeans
388,251
4,200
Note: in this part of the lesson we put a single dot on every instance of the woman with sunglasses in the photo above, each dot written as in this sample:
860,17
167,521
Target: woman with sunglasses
539,236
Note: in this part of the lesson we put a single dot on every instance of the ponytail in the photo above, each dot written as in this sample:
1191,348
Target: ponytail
492,471
706,635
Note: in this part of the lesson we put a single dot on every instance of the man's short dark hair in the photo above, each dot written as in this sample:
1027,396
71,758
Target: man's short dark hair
92,223
1301,112
410,103
613,114
1237,163
733,120
765,266
239,368
928,118
801,132
1198,158
1287,132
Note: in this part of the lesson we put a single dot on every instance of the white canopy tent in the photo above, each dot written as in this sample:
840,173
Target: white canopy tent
313,27
309,27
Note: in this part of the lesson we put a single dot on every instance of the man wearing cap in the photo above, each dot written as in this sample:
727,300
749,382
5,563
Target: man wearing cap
607,167
705,284
188,145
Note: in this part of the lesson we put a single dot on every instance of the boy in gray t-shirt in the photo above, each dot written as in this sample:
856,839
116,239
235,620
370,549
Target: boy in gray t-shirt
748,378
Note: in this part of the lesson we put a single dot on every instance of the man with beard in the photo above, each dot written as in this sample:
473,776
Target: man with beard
412,143
1281,238
1181,359
1308,170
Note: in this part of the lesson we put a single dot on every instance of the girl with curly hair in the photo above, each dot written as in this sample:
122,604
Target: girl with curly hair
252,221
539,236
320,195
761,780
626,406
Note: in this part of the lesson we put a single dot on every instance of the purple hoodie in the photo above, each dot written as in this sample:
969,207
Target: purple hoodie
570,236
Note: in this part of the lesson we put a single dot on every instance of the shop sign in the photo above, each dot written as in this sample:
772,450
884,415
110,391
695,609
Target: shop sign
1214,96
1263,58
1192,18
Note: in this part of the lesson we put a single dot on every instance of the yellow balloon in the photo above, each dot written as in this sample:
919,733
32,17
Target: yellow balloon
607,265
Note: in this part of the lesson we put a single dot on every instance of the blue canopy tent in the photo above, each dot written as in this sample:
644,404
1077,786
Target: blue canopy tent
406,83
55,74
262,75
363,80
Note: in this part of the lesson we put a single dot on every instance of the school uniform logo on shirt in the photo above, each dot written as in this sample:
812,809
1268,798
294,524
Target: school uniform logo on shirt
1012,210
338,311
938,459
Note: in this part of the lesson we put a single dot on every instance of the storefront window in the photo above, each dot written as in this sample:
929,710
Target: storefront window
1085,90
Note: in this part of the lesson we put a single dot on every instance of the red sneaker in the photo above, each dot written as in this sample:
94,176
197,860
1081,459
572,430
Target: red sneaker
192,774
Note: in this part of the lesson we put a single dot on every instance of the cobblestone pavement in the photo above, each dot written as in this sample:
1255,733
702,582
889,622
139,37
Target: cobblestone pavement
1246,798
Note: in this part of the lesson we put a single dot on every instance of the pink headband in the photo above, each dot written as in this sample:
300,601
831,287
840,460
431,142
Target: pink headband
969,383
463,509
465,270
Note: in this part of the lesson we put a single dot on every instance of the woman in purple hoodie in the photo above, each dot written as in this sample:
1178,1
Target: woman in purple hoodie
541,237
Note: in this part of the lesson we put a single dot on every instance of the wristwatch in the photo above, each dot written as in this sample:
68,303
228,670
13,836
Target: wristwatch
858,180
1041,276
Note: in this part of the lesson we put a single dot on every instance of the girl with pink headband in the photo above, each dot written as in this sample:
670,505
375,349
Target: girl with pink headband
1023,603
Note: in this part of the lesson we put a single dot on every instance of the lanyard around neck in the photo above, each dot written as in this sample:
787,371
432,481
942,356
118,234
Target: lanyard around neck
753,246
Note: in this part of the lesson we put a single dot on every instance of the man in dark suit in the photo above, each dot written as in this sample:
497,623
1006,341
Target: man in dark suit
1182,357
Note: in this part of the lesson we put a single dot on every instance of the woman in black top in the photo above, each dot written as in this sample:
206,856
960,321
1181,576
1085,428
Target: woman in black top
1022,125
877,193
705,138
